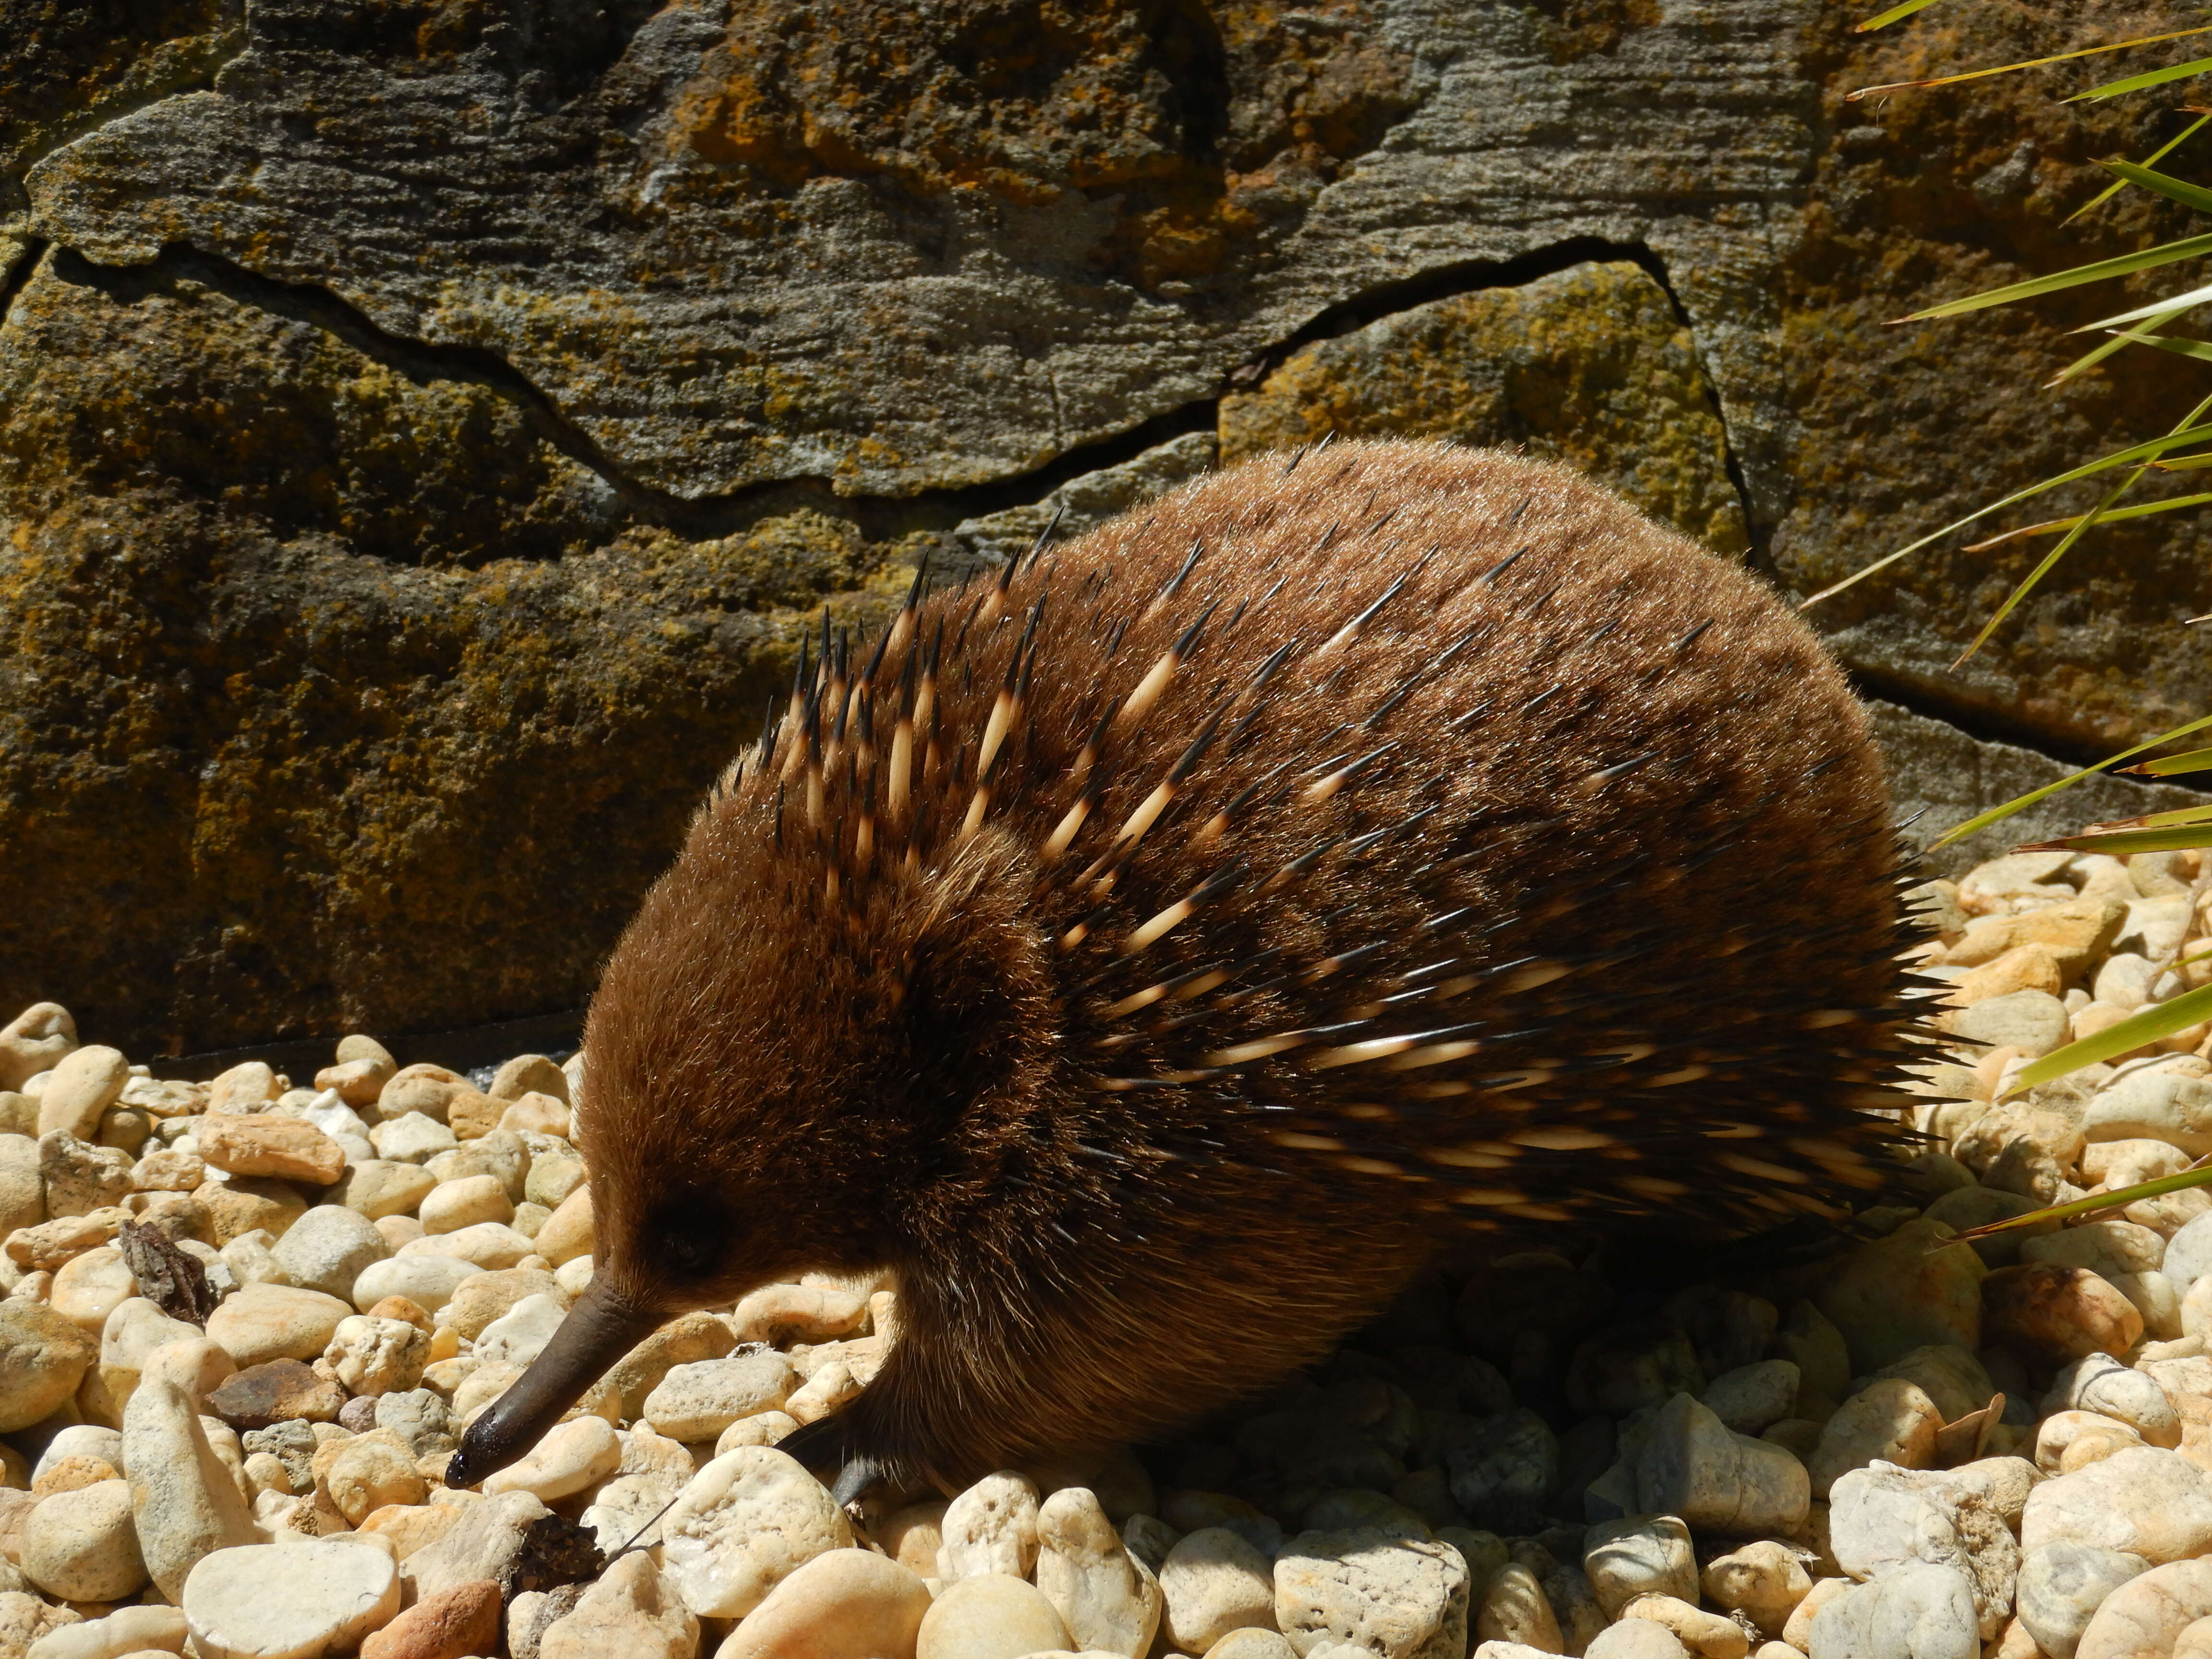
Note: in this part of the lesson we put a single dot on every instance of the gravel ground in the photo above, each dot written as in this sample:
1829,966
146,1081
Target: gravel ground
244,1323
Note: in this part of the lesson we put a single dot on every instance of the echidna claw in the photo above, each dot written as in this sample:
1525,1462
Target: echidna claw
854,1480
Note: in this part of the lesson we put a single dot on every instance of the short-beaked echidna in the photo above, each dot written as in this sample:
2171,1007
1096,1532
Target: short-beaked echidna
1154,954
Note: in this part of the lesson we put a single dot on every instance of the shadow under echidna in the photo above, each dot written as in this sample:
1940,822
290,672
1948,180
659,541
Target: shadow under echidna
1158,954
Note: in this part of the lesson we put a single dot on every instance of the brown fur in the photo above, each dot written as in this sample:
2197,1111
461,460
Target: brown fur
1675,978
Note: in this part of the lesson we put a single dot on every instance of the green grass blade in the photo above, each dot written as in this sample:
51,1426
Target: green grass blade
2145,1025
2118,1198
2153,158
2052,526
2148,450
2122,338
2089,520
2028,63
2120,842
2189,248
2020,803
2174,189
1894,15
2082,526
2157,77
2174,304
2179,815
2179,347
2168,765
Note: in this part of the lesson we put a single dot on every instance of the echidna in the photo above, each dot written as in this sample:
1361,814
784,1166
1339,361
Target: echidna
1156,955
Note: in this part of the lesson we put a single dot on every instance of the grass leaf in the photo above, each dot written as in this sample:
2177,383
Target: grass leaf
2030,63
2168,765
2157,155
2088,522
2150,450
2174,189
1894,15
2118,1198
2020,803
2120,842
2145,1025
2157,77
2173,305
2189,248
2052,526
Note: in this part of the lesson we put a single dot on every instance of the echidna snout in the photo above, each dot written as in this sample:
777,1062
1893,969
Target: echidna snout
1154,955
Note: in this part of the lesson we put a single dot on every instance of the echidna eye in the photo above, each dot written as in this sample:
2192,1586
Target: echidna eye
684,1238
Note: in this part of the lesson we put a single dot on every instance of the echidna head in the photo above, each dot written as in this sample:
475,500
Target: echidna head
780,1077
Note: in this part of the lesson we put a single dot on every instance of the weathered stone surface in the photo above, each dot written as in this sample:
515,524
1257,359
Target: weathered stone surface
1590,365
421,440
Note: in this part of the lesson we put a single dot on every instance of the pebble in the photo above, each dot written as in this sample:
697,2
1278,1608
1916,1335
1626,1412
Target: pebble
428,1281
367,1474
1917,1611
843,1604
462,1620
375,1355
1631,1638
305,1599
2147,1614
2059,1314
1762,1581
1892,1295
2032,1022
2099,1383
697,1401
82,1547
328,1249
745,1521
2062,1585
453,1204
90,1287
1693,1465
2168,1100
1109,1601
520,1336
991,1528
125,1633
2145,1501
259,1322
43,1357
185,1500
376,1188
574,1455
1645,1555
277,1391
412,1137
1754,1397
1707,1634
247,1203
1513,1609
797,1313
632,1611
567,1233
1213,1582
265,1144
82,1086
80,1178
488,1541
989,1615
35,1040
1892,1420
1373,1589
26,1621
489,1244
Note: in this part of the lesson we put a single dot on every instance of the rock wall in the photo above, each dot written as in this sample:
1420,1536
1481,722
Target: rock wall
425,429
